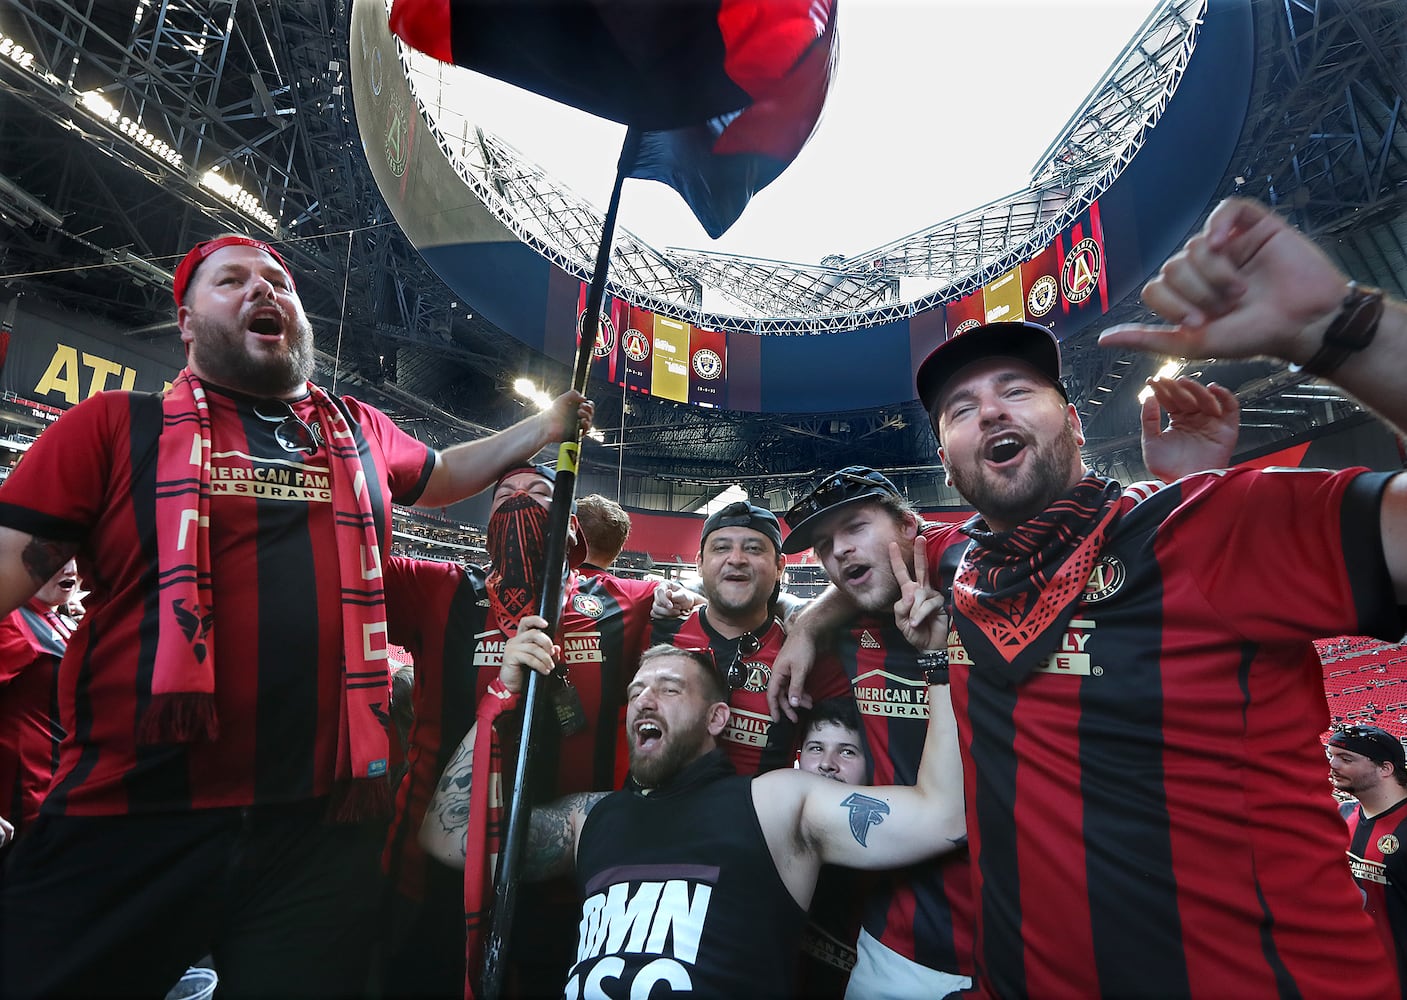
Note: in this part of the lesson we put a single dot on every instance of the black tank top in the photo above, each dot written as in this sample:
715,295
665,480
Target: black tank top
681,895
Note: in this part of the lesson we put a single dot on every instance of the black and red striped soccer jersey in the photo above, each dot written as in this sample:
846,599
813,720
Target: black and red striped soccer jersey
745,739
1146,811
922,912
436,610
32,641
440,612
1377,856
91,478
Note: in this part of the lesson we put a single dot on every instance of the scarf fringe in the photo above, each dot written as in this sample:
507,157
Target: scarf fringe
359,800
179,717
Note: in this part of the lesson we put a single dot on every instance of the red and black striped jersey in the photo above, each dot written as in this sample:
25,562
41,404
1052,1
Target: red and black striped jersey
922,912
90,478
440,613
1146,810
752,741
1377,855
32,641
437,611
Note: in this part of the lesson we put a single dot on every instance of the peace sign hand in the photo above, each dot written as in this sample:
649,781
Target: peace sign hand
920,613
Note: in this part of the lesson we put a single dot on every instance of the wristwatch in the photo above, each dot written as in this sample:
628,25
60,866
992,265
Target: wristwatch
1351,331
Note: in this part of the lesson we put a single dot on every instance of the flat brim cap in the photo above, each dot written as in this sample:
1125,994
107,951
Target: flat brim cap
1373,742
743,514
840,489
1028,342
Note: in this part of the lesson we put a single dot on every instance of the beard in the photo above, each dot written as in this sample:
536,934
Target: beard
1012,501
673,756
880,595
220,352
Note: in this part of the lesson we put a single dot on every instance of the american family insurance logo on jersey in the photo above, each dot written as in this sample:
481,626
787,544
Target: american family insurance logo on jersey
1070,659
235,474
640,938
581,647
878,692
1368,871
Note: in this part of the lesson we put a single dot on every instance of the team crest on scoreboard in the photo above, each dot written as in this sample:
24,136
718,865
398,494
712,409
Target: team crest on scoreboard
965,325
1387,844
1105,580
636,345
1041,298
605,344
589,605
707,364
1080,275
397,136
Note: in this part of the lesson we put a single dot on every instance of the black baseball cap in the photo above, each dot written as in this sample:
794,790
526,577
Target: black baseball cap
743,514
1028,342
1373,742
849,485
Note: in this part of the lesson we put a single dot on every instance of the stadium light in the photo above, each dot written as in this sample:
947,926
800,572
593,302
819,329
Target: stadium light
529,391
1169,369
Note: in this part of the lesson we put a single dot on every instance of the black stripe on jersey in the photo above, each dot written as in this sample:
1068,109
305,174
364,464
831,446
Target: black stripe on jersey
614,671
459,684
1363,554
1285,985
56,729
1129,872
285,649
993,755
164,771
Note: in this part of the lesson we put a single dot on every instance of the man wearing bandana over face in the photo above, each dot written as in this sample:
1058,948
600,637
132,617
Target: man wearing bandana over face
1136,689
455,620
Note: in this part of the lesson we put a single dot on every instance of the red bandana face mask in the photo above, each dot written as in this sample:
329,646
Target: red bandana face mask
517,544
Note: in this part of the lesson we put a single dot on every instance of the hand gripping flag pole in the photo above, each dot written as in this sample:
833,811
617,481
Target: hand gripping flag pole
550,604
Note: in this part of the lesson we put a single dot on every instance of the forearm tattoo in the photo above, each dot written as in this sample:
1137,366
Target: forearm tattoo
865,812
451,804
43,558
551,847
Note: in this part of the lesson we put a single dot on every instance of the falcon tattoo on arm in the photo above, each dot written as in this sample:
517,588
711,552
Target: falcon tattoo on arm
865,812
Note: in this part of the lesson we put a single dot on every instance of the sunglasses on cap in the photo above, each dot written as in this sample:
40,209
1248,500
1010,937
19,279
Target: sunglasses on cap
835,489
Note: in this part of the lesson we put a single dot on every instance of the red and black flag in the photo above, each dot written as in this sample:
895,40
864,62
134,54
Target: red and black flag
721,93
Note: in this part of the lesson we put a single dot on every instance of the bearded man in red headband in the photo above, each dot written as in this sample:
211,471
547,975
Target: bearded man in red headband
221,787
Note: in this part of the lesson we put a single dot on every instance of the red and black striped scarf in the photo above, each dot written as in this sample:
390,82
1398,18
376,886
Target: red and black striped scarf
182,704
484,839
1016,591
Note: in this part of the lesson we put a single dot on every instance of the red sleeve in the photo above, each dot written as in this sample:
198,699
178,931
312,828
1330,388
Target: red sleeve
1289,554
637,598
408,462
414,589
16,651
59,488
940,536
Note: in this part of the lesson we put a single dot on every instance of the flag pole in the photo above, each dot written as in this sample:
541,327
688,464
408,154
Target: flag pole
550,605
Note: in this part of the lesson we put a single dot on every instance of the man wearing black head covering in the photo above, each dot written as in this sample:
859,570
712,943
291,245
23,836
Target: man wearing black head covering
1369,763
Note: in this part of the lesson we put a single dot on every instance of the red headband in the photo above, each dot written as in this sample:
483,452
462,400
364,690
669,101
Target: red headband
200,251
